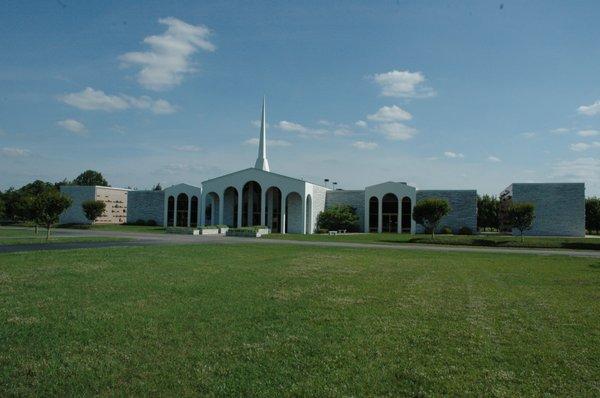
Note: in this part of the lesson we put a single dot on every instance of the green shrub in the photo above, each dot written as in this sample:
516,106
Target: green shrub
429,212
151,223
140,222
446,231
322,231
465,231
338,217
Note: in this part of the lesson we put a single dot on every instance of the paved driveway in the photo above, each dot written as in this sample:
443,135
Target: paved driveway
146,239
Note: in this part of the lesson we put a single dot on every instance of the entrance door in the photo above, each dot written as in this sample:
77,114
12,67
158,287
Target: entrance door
390,222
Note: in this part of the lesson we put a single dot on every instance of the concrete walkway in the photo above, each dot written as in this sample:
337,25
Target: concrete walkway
147,239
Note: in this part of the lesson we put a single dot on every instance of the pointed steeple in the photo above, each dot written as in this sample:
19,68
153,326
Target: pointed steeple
261,161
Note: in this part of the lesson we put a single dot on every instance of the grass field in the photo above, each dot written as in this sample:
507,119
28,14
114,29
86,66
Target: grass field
19,236
290,320
465,240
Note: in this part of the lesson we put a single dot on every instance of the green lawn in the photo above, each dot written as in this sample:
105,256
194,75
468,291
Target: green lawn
289,320
466,240
19,236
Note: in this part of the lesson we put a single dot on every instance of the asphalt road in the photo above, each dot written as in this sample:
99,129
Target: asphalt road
147,239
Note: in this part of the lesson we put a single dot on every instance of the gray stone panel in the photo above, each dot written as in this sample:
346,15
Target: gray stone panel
559,207
78,194
463,204
294,214
146,205
354,198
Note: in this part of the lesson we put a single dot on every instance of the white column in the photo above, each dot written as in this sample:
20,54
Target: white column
221,207
303,207
239,215
175,211
202,211
379,215
189,213
399,216
263,206
250,204
283,211
367,214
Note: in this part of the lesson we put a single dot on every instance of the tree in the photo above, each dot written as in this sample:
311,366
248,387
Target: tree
521,216
487,212
338,217
157,187
592,214
90,177
93,209
2,208
47,207
429,212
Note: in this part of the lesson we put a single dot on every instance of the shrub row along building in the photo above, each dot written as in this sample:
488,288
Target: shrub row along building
257,196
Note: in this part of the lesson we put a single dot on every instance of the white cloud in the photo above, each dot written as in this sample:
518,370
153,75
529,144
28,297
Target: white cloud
364,145
403,84
270,143
590,110
187,148
581,170
90,99
14,152
169,58
324,122
560,130
361,123
342,131
390,114
528,135
299,129
588,133
453,155
397,131
584,146
73,126
494,159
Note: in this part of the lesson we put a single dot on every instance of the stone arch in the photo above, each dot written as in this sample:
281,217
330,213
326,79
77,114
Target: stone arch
181,218
309,227
211,208
373,214
273,211
171,211
230,206
194,211
294,223
406,214
251,204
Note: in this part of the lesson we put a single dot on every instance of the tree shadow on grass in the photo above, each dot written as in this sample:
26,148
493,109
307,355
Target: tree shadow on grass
581,245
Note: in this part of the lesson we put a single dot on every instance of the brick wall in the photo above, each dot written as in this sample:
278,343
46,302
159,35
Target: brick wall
463,204
146,205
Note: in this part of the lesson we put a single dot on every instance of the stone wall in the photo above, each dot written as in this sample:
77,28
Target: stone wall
559,207
318,205
78,194
463,204
146,205
294,214
354,198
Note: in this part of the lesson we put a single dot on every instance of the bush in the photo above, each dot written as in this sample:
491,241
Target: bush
322,231
465,231
93,209
429,212
151,223
140,222
338,217
446,231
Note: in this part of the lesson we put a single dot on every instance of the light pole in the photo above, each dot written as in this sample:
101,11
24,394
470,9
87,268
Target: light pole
334,184
326,181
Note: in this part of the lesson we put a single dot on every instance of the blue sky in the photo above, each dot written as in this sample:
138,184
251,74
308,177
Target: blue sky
438,94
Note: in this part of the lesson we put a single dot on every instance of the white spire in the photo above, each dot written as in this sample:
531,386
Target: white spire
261,161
